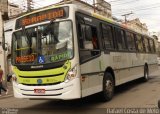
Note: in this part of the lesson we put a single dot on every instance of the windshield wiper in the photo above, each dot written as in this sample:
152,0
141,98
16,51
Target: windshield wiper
45,31
49,29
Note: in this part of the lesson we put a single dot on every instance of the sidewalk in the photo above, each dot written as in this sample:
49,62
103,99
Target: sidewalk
10,91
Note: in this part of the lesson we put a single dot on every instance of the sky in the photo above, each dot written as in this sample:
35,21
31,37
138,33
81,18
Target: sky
148,11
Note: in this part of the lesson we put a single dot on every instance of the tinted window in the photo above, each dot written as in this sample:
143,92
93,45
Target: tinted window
151,42
130,41
120,39
107,36
146,44
139,43
88,42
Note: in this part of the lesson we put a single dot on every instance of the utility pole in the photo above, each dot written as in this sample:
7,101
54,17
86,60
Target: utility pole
29,5
94,5
125,16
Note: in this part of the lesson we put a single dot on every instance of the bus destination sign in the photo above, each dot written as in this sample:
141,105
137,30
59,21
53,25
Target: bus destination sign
46,15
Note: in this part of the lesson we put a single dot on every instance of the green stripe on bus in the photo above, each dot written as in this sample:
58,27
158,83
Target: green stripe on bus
29,80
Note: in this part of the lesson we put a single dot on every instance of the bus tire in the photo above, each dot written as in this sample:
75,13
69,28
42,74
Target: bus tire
158,103
108,87
146,74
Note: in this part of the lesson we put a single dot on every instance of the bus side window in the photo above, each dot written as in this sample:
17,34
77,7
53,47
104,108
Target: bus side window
88,42
95,38
154,47
91,41
131,41
151,42
81,30
139,42
120,37
107,36
146,44
88,38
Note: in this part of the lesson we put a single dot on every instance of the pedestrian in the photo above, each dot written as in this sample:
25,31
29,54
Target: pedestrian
1,85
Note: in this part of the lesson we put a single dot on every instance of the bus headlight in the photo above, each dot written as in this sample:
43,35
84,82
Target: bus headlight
71,74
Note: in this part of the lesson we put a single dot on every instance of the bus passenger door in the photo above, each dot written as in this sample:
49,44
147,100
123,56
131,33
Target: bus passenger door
89,53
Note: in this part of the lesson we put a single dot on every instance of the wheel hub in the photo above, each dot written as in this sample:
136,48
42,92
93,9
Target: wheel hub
109,86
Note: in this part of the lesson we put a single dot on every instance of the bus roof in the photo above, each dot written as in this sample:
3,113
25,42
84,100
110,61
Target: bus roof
116,23
42,9
98,16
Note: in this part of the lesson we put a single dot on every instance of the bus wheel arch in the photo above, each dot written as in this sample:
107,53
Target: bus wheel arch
108,85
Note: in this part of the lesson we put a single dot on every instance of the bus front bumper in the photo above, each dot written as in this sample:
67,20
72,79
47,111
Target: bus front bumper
64,91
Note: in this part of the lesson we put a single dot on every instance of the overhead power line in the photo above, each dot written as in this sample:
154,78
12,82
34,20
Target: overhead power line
138,7
138,10
115,1
123,3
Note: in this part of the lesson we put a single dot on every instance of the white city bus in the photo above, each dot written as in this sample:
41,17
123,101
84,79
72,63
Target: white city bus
62,52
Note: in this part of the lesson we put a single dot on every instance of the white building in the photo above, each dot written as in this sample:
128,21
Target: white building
137,25
7,10
8,27
13,10
3,16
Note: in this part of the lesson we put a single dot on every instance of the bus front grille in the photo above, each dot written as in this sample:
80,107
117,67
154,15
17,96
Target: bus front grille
41,84
42,76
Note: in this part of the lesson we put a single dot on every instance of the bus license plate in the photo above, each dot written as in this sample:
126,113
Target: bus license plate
39,91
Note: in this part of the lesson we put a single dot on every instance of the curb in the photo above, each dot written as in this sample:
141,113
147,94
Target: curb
6,96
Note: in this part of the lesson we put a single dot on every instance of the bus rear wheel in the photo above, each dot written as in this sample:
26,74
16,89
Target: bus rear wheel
146,73
108,87
158,103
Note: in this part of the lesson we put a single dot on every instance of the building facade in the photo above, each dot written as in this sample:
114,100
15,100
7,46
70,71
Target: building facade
104,8
13,10
137,25
100,6
7,25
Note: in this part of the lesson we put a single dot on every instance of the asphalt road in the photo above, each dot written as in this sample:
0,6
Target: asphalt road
135,94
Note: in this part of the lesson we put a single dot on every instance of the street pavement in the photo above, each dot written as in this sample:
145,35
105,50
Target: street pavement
135,94
10,91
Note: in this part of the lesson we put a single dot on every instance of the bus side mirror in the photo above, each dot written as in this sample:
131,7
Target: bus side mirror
9,77
4,45
3,42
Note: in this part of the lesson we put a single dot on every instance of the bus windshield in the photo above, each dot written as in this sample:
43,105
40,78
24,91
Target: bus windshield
43,44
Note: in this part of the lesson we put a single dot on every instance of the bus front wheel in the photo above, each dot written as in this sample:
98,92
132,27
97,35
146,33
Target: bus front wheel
108,87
